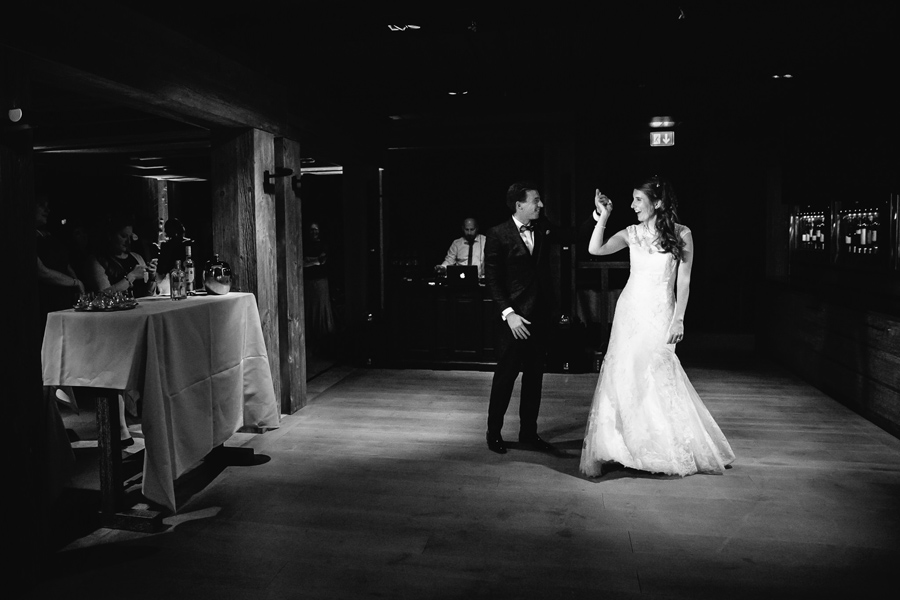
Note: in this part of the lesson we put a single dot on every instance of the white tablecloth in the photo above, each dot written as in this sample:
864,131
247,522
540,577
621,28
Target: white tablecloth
199,364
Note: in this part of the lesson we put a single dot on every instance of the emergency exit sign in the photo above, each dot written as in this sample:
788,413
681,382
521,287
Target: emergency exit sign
662,138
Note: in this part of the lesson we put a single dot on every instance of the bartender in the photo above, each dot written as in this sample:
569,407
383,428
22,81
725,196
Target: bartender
467,250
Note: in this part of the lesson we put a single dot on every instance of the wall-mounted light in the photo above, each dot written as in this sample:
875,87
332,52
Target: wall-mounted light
662,122
15,115
269,178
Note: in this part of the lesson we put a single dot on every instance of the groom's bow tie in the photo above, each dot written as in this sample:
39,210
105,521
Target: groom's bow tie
529,227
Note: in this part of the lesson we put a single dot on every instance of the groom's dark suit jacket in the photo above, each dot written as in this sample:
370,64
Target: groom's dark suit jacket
515,277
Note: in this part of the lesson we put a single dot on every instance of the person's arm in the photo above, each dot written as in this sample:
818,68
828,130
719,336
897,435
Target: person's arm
495,277
452,253
54,277
149,273
596,245
682,289
480,254
102,283
317,260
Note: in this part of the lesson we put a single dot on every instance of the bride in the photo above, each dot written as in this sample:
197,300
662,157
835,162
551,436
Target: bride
645,413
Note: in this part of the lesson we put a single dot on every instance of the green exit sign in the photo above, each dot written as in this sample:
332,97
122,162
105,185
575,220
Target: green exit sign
662,138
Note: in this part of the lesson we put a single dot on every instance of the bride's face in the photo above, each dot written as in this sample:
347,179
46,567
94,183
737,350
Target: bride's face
642,207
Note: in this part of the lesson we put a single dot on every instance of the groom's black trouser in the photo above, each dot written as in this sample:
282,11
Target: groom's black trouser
515,356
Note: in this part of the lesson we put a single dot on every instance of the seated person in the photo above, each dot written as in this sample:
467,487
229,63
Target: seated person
467,250
117,269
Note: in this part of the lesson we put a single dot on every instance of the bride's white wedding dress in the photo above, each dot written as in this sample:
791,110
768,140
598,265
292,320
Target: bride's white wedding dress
645,413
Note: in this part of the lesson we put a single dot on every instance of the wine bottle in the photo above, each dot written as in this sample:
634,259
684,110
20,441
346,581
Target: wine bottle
188,272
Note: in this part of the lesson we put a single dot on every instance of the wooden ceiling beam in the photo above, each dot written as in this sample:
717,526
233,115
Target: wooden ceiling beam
125,57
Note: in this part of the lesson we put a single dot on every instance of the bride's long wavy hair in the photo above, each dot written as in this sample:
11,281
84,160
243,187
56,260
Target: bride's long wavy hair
661,191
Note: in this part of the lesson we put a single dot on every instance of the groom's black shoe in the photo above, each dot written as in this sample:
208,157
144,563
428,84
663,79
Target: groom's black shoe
495,443
537,443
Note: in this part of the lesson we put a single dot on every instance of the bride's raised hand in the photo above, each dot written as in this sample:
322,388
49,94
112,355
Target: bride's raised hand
602,205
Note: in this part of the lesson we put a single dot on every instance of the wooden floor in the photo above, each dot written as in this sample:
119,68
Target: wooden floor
383,488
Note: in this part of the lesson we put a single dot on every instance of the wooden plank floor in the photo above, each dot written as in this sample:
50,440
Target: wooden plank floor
383,488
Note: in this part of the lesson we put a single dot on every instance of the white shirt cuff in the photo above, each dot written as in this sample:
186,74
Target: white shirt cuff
506,313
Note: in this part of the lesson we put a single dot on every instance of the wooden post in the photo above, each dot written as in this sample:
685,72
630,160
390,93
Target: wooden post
29,527
289,227
243,226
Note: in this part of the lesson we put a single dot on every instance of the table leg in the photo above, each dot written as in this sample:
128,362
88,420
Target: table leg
113,513
111,492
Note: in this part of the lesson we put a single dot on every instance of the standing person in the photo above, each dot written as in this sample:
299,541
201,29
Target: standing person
467,250
645,413
171,250
58,284
517,273
317,297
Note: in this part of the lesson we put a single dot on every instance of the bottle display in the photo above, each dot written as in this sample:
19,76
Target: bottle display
810,230
855,235
859,231
188,272
177,282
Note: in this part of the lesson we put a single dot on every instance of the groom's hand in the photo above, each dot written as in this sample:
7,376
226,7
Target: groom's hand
517,325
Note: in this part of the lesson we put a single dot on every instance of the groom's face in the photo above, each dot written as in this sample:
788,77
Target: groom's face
530,209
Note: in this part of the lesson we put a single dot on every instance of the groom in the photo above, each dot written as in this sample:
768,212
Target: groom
517,274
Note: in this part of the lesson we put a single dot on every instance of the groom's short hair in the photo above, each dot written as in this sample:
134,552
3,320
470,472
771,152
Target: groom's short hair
518,192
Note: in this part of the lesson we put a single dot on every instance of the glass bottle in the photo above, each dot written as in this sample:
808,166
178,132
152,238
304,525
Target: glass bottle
176,282
846,222
188,272
873,232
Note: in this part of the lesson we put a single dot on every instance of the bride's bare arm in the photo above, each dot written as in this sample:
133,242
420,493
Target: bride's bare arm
602,210
682,289
615,243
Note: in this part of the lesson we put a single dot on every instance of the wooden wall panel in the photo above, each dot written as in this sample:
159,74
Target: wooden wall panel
851,353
